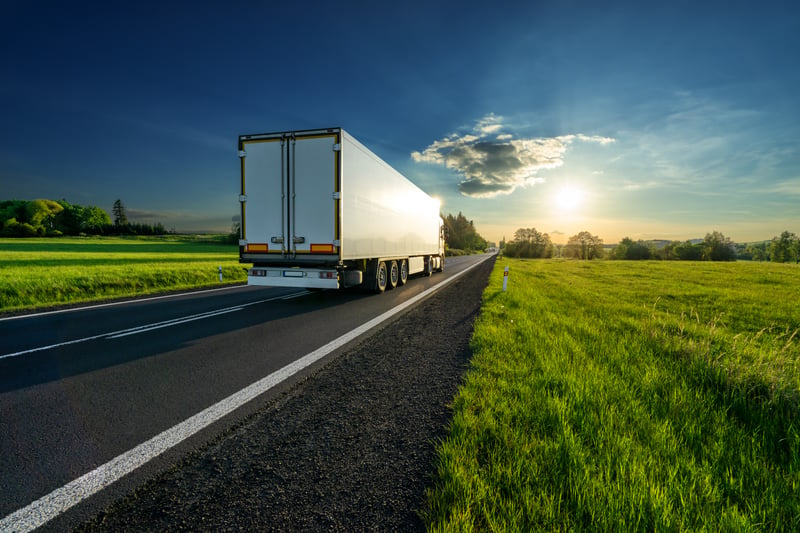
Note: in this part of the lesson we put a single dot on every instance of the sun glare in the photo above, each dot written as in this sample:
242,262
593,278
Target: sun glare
568,199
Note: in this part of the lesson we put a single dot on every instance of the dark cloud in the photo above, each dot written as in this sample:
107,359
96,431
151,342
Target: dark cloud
141,214
492,163
481,189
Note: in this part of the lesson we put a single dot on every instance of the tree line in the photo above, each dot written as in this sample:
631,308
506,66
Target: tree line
784,248
714,247
462,235
531,243
53,218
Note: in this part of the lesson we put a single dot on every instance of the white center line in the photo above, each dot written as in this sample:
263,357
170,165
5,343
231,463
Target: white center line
150,327
123,302
173,322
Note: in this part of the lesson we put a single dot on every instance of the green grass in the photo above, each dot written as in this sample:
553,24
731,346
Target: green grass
37,273
628,396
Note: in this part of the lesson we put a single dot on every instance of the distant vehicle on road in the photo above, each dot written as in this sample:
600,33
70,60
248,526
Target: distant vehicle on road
320,210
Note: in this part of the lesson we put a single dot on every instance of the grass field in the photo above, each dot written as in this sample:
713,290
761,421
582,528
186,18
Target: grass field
628,396
37,273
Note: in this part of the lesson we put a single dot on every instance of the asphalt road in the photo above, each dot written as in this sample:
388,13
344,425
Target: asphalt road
78,388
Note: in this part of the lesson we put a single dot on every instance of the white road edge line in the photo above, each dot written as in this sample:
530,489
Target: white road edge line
60,500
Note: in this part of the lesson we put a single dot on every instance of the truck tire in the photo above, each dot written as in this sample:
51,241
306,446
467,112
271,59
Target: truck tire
394,275
381,278
403,272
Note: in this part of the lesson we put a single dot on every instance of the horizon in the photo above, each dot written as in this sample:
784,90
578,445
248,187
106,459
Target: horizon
198,232
653,123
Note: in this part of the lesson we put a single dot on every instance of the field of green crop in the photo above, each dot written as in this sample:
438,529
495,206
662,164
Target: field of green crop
628,396
37,273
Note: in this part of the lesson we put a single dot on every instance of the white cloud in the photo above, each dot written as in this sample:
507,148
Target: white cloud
498,164
639,186
491,123
786,187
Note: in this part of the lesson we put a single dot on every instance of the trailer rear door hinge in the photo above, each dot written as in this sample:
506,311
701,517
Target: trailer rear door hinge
242,198
242,153
337,195
337,147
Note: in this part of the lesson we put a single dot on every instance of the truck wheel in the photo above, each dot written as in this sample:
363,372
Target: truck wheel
381,277
394,275
403,273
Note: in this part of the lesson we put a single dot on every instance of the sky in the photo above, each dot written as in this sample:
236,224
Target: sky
648,120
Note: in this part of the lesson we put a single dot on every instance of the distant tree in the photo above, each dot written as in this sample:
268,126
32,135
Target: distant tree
584,245
529,242
752,251
461,233
41,215
120,218
742,251
95,220
718,247
668,251
785,248
68,221
758,251
630,249
8,209
24,218
687,251
12,214
236,231
138,228
14,228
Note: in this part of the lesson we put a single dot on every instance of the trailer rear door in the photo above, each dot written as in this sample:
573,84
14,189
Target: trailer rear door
314,184
290,184
264,187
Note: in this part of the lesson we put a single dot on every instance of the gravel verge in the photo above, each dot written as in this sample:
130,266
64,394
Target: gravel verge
350,448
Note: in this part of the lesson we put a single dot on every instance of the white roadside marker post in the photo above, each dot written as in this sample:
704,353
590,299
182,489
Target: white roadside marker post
505,279
220,273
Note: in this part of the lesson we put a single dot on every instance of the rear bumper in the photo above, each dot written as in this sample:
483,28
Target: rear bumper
309,278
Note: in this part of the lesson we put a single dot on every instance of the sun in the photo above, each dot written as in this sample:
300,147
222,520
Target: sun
568,198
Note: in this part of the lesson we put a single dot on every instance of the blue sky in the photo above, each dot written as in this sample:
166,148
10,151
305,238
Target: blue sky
651,120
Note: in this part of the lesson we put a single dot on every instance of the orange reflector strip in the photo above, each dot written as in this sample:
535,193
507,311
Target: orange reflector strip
321,248
257,248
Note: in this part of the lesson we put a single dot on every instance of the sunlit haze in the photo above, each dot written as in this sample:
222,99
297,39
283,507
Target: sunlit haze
664,121
568,199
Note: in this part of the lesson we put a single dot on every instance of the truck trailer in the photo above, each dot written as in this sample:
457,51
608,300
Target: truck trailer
319,210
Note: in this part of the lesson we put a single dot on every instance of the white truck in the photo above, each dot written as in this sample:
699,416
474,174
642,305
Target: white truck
319,210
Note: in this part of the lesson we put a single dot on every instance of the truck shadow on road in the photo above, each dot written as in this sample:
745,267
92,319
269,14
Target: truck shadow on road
259,336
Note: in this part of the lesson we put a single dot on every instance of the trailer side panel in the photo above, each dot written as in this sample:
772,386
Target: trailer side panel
383,213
